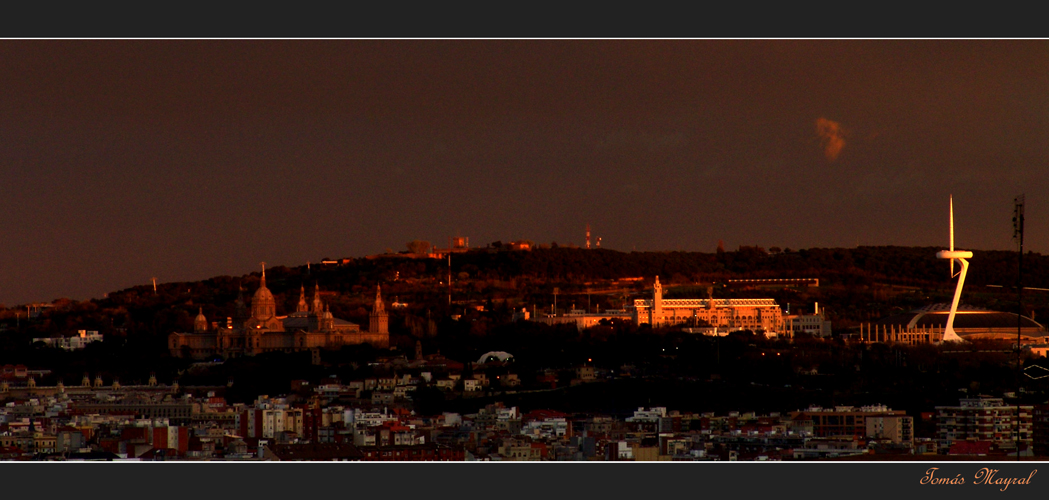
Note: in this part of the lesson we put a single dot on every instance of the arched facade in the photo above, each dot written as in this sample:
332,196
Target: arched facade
726,314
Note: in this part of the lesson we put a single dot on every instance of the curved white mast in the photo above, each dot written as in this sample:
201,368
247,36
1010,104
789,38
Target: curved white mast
960,255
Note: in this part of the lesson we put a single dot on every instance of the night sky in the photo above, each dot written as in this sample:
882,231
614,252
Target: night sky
187,159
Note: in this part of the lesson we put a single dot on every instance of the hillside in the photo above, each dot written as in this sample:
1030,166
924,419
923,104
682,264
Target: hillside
859,284
875,276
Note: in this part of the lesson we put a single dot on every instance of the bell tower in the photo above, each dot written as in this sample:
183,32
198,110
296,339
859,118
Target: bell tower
302,306
379,320
657,304
318,306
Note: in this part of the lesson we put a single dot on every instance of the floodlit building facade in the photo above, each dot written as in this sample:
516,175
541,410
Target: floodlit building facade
725,314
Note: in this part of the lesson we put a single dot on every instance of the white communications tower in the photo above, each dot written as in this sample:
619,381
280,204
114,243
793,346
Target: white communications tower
960,256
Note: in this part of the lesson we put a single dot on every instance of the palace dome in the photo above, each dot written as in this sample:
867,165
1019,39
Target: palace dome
263,305
200,323
263,295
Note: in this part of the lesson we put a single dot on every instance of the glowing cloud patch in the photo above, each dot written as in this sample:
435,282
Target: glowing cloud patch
832,137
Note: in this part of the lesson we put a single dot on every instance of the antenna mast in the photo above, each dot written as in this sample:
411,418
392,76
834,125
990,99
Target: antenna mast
952,234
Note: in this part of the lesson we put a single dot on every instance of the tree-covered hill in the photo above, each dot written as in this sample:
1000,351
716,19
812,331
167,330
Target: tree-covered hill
852,286
856,285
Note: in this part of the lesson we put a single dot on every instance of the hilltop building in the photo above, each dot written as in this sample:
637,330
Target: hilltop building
79,341
458,244
725,314
311,326
812,324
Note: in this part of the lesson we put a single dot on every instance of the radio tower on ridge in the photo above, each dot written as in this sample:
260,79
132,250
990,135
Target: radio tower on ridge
588,236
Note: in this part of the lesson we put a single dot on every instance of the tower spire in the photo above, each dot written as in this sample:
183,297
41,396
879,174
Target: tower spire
262,281
952,233
302,306
952,222
318,306
378,320
378,298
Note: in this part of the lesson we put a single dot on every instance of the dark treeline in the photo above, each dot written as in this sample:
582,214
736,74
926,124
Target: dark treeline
861,265
526,275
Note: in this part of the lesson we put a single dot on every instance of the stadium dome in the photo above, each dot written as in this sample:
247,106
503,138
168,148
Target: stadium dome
495,357
969,322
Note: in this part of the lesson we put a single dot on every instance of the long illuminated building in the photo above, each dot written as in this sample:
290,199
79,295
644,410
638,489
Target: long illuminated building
727,314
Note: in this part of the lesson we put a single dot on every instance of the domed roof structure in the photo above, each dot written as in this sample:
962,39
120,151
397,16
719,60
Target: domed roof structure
969,322
263,305
200,323
496,357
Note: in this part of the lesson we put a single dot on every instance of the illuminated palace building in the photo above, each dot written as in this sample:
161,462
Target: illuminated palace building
311,326
725,314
